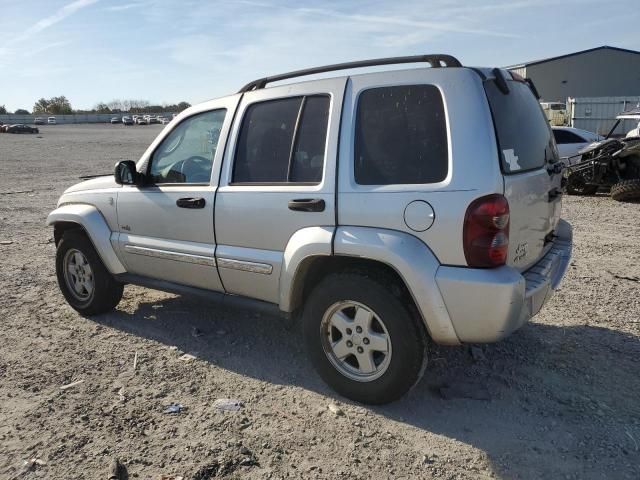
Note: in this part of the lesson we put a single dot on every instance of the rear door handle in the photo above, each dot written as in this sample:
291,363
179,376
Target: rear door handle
307,205
190,202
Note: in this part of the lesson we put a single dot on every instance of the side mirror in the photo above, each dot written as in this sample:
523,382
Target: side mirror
125,173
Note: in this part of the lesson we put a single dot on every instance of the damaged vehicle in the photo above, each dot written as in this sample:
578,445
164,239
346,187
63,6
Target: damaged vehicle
612,164
383,211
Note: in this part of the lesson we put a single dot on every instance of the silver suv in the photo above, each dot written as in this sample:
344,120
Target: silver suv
384,210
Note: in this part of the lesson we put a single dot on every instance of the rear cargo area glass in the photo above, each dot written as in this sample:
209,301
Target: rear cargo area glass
525,141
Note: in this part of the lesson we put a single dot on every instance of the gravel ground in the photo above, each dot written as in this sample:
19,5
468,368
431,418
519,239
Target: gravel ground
558,399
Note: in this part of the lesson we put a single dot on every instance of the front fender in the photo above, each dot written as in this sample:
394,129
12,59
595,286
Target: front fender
92,221
414,262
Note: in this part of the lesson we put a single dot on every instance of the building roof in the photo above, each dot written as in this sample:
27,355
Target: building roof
550,59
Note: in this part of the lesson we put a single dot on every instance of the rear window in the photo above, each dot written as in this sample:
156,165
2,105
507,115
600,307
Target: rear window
401,136
524,136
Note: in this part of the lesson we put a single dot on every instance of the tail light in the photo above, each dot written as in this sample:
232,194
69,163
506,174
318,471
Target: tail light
486,231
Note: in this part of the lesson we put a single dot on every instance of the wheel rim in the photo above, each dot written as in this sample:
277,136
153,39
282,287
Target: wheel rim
356,341
78,275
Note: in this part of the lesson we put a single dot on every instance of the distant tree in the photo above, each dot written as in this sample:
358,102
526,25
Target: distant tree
102,108
22,111
183,106
56,105
3,110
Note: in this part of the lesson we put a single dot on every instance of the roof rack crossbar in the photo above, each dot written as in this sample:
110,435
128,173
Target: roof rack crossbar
435,61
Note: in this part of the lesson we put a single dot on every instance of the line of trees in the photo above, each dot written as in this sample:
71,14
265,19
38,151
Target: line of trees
62,106
20,111
138,106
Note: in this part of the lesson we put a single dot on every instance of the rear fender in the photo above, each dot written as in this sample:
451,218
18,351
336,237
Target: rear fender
413,261
303,245
93,223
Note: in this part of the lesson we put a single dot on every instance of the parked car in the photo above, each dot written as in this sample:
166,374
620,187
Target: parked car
51,120
153,119
384,211
164,120
38,121
115,120
21,128
127,120
571,140
142,121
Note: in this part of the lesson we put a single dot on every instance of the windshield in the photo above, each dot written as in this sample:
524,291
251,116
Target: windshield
524,137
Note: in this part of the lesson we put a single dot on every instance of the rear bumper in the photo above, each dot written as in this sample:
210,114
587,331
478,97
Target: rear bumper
486,305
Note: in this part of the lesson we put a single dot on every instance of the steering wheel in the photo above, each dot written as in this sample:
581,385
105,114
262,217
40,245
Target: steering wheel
200,164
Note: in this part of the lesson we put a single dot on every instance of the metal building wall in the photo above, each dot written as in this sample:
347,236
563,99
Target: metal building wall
599,73
598,114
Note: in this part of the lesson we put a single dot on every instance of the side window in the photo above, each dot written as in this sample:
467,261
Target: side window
282,141
563,136
186,154
401,136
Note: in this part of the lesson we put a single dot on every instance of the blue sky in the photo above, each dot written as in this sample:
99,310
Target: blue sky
194,50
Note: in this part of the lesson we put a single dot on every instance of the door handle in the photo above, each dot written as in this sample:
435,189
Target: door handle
190,202
307,205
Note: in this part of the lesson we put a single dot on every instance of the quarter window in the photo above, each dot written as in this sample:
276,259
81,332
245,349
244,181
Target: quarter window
401,136
186,154
283,141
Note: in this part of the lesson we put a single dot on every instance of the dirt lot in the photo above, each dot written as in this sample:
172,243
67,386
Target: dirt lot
558,399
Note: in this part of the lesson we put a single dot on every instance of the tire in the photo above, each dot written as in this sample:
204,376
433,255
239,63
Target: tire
343,296
577,186
626,190
105,293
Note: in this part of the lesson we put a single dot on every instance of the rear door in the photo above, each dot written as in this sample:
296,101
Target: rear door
527,150
278,177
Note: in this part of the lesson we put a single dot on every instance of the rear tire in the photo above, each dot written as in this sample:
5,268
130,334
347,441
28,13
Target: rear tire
626,190
83,279
365,341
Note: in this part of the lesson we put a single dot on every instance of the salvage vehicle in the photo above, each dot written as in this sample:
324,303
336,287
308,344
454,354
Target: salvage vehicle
21,128
127,120
52,120
612,164
38,121
384,211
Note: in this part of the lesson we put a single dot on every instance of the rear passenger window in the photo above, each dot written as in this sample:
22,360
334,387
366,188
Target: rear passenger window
401,136
283,141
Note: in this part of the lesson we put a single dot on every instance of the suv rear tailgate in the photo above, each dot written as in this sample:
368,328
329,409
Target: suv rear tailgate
526,148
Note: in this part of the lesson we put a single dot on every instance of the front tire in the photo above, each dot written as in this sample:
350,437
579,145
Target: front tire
577,186
83,279
365,341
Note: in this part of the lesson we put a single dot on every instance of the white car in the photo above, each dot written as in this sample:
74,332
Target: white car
571,140
51,120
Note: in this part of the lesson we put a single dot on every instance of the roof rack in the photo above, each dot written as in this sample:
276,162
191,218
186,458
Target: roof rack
435,61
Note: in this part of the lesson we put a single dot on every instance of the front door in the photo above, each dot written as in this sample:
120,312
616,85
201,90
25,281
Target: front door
278,178
166,225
